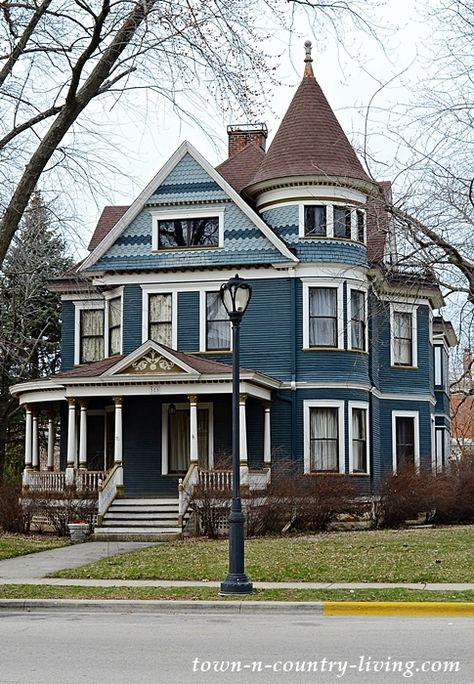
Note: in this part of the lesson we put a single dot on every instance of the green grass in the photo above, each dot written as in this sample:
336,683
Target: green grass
413,555
32,591
12,545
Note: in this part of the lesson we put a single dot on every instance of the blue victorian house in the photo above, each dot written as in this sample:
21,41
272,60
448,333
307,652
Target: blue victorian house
343,360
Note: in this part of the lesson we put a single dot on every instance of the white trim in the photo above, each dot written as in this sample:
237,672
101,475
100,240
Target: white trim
164,432
365,406
363,287
396,307
306,187
406,414
323,403
143,349
148,290
137,206
203,323
79,306
320,283
187,213
438,365
330,218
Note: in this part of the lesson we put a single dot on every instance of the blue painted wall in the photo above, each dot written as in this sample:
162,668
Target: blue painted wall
67,335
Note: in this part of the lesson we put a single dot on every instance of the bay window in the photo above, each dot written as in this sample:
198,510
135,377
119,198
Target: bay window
358,447
323,317
358,320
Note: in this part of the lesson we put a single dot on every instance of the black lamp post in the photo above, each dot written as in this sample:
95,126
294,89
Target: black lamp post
235,295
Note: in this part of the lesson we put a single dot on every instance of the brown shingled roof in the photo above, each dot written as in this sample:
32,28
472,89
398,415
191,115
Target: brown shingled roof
310,140
107,220
239,169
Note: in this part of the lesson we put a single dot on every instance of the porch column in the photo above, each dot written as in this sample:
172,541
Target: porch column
267,435
28,436
243,429
83,436
193,428
118,441
50,462
71,433
34,443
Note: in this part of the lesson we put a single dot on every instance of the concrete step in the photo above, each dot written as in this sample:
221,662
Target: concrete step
145,502
143,510
132,522
136,534
145,515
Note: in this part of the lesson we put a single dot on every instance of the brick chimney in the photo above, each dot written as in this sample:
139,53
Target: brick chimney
467,363
241,135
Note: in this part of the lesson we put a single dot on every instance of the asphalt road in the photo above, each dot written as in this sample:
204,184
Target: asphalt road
69,648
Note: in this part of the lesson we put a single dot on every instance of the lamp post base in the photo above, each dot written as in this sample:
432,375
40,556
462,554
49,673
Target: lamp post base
236,584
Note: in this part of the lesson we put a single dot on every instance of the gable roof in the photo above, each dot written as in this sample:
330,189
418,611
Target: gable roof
107,220
310,140
239,169
132,212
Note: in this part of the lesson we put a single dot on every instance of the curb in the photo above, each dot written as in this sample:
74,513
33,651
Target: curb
327,608
397,608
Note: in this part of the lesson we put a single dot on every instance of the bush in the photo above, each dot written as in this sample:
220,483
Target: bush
14,516
211,508
59,509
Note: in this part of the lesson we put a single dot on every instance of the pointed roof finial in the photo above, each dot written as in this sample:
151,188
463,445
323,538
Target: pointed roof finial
308,69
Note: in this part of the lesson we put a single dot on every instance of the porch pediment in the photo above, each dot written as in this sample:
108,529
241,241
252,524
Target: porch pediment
151,359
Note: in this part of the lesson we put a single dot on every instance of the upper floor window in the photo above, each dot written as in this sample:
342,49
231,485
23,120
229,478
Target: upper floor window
360,219
358,320
114,325
342,222
217,323
440,366
404,335
315,220
188,229
323,317
160,309
91,332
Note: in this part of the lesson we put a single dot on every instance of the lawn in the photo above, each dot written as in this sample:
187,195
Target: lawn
32,591
412,555
12,545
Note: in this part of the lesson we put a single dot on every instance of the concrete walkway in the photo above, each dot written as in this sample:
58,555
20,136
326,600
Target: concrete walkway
33,568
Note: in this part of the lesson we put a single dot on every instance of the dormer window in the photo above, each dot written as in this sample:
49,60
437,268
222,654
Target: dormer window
188,230
315,220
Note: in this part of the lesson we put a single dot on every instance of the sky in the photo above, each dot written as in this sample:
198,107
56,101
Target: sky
350,71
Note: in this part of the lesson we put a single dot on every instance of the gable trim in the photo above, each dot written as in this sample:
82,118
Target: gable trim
143,197
147,346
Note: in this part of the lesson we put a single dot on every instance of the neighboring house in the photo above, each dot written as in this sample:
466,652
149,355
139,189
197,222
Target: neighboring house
341,356
462,410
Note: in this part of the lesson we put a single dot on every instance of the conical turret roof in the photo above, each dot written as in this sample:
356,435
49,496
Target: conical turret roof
310,140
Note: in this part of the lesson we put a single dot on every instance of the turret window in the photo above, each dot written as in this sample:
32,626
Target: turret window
315,220
342,222
329,220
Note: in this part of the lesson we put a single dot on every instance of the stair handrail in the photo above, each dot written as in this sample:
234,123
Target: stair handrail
185,490
109,489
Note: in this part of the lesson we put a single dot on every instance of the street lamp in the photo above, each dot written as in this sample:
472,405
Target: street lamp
235,296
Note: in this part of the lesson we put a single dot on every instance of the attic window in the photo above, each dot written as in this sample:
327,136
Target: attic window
188,230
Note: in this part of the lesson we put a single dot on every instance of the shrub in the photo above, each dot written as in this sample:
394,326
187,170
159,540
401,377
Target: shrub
60,509
14,516
211,508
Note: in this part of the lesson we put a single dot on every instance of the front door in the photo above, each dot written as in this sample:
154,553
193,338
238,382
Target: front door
178,440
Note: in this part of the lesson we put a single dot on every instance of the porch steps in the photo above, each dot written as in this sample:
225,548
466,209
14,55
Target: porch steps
128,519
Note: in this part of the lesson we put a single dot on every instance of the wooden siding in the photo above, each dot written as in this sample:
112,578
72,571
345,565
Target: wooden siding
188,321
132,318
67,335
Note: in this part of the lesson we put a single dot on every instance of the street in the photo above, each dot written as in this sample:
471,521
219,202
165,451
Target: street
66,647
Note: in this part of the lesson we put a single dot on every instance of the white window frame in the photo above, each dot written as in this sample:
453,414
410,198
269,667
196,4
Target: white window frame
330,219
85,305
167,215
323,403
365,406
438,365
164,432
203,325
151,290
406,414
358,288
396,307
113,294
324,284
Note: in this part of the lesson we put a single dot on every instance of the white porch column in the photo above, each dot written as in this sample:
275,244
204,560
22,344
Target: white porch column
243,429
28,436
71,433
83,436
118,442
50,461
34,443
267,435
193,428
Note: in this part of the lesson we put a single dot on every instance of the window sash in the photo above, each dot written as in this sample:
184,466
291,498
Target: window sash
342,222
315,220
217,323
115,310
323,317
91,335
179,233
358,320
405,441
360,225
324,439
359,440
160,311
402,339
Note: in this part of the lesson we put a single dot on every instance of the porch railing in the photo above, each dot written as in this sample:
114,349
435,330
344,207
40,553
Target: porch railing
48,481
109,488
216,480
90,479
185,490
